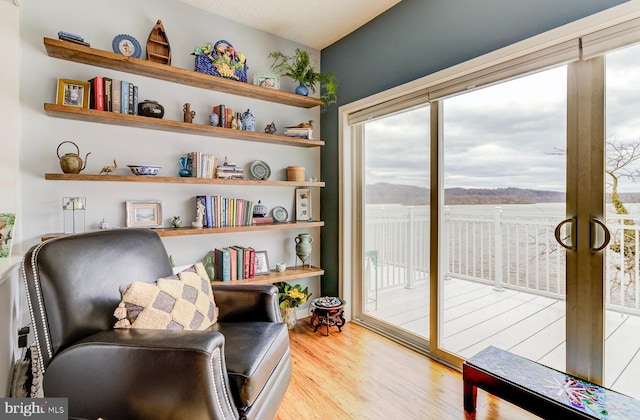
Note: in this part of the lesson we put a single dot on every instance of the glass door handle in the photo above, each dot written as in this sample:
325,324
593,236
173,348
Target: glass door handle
558,232
607,235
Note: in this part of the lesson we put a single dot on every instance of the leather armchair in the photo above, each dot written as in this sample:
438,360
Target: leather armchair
240,368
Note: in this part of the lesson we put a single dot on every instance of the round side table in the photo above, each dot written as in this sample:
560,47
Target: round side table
327,311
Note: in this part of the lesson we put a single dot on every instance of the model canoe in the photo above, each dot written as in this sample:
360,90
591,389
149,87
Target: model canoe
158,48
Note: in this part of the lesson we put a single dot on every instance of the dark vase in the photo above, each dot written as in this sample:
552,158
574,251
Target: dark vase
302,90
149,108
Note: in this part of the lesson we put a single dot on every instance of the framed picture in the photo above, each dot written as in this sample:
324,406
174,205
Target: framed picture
262,263
7,222
268,80
303,204
144,214
73,93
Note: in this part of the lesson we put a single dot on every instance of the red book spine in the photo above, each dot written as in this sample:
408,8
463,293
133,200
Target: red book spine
252,263
96,95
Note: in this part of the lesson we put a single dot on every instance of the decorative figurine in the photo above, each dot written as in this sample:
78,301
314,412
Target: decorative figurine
199,215
234,123
260,210
188,113
106,170
176,222
270,128
248,121
103,225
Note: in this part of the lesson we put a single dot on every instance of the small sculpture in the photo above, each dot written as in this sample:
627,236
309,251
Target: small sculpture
303,125
106,170
270,128
199,223
103,225
188,113
234,123
176,222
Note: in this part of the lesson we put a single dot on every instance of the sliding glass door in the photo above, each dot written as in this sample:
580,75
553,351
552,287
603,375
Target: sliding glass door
502,279
395,264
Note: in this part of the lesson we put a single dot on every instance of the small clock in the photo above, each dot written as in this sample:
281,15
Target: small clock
127,46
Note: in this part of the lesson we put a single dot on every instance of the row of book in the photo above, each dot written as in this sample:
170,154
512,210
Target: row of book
227,118
113,95
303,133
225,212
235,263
203,165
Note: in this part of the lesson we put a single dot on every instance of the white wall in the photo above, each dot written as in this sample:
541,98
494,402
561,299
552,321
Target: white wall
9,108
98,22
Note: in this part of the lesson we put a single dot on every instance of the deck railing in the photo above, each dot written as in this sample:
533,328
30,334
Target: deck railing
509,249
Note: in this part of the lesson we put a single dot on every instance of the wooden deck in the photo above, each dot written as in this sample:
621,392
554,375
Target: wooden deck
476,316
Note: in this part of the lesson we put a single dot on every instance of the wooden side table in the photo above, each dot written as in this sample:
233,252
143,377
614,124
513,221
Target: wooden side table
327,311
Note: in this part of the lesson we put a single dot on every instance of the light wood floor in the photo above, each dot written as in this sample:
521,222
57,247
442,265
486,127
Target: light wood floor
358,374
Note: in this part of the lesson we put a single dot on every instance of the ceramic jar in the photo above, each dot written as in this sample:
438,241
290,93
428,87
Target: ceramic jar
149,108
289,316
303,246
248,121
260,210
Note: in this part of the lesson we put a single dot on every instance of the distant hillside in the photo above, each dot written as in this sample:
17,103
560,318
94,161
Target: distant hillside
408,195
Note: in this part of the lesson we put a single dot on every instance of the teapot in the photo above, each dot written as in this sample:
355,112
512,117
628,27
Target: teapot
71,163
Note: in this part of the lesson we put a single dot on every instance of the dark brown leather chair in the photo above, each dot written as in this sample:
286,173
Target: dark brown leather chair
240,368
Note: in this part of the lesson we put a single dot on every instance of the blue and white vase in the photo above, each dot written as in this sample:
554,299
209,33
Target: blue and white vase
214,119
248,121
302,90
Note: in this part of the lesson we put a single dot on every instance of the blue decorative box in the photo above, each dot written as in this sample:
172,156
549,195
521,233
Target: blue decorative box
221,60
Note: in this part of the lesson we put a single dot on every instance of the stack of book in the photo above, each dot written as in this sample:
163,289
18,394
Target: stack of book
235,263
303,133
69,37
202,164
113,95
229,170
222,212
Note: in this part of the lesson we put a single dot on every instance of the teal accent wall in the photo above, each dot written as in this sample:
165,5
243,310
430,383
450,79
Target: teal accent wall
413,39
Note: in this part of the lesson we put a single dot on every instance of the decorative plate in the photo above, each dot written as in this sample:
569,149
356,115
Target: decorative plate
126,45
260,170
280,214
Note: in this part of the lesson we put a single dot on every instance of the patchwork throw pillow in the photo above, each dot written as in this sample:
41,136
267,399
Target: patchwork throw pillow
180,302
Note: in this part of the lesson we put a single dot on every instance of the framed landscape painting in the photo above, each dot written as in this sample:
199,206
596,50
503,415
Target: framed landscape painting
7,222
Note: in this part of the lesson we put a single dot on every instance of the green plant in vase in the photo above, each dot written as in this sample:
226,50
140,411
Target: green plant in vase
290,297
300,68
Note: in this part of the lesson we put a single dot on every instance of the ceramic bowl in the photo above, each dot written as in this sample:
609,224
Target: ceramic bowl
149,170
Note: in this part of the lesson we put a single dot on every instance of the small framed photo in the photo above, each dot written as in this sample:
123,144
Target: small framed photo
303,204
144,214
262,263
73,93
268,80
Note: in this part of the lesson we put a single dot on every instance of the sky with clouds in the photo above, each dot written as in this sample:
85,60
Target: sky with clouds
503,135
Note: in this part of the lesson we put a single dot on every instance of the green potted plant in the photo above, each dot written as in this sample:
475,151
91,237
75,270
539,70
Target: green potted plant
300,68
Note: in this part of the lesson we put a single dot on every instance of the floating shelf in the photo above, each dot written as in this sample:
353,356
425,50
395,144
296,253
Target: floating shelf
177,180
166,232
115,118
274,277
106,59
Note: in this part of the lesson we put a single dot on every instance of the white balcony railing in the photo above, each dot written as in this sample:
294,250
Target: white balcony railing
506,248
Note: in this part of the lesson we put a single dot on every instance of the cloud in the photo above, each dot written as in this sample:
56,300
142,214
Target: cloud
501,136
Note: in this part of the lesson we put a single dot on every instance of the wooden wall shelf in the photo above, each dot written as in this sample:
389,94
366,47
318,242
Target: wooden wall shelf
292,273
106,59
115,118
166,232
177,180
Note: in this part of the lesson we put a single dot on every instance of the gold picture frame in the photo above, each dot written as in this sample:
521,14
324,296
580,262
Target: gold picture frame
73,93
144,214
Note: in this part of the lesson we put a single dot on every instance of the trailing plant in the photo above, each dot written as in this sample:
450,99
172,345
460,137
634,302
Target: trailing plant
300,68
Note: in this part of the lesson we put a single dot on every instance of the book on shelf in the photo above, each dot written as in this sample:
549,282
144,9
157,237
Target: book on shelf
223,263
252,262
131,86
233,263
107,94
267,220
305,133
239,261
124,97
116,93
209,211
222,115
96,93
135,100
246,259
70,35
228,117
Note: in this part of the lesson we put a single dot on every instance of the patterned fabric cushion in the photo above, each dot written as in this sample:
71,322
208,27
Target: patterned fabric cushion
180,302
